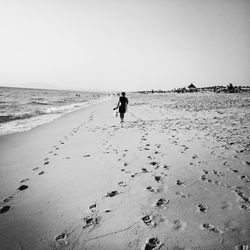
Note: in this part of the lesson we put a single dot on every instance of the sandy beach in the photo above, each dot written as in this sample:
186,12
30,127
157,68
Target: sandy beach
175,176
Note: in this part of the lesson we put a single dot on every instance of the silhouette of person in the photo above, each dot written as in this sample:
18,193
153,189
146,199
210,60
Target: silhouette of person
122,105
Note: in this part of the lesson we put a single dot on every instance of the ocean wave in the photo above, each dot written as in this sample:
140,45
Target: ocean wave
61,101
65,108
8,118
39,103
25,121
25,125
37,99
39,112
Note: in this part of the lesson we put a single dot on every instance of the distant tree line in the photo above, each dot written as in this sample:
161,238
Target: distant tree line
192,88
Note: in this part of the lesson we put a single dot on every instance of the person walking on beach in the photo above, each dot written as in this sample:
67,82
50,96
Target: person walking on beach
122,105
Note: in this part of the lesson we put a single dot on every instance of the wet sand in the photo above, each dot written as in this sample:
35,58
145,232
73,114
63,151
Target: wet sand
175,176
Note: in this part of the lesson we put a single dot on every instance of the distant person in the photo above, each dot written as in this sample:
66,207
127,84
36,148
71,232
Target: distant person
122,105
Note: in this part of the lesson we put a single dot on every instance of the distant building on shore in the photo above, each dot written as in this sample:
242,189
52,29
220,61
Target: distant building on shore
192,88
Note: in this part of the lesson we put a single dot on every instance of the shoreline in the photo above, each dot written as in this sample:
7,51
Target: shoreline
175,183
56,115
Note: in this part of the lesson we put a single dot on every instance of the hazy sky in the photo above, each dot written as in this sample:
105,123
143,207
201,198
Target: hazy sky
124,44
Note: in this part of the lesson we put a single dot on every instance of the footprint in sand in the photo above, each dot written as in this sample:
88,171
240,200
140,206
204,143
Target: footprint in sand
157,166
24,180
234,170
157,178
149,188
242,247
161,203
153,163
4,209
91,221
166,167
202,208
61,239
205,171
245,207
242,196
182,195
184,147
147,220
8,199
178,225
246,163
217,173
164,174
122,184
112,194
210,228
152,243
204,178
244,178
92,207
22,187
133,175
195,156
226,205
179,182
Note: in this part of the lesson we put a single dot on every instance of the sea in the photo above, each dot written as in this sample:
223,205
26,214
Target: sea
22,109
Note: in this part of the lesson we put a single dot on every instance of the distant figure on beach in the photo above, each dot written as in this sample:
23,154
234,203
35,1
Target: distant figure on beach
122,105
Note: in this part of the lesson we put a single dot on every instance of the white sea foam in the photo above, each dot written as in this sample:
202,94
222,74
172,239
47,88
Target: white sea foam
49,115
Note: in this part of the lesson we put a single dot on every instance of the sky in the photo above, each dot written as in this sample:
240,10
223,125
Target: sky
124,44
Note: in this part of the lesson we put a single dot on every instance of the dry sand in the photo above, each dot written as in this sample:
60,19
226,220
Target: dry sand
176,176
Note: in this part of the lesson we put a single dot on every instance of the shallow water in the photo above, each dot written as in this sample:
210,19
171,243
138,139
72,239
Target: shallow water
23,109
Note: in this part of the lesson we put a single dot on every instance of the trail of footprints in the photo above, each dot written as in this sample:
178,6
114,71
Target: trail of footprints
241,197
93,219
3,204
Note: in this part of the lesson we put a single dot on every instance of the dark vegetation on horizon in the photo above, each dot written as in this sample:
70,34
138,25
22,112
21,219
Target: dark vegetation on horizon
192,88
